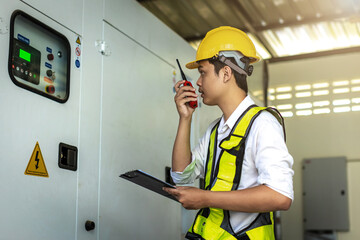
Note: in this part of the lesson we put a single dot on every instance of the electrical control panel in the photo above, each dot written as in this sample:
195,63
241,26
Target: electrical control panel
39,58
325,194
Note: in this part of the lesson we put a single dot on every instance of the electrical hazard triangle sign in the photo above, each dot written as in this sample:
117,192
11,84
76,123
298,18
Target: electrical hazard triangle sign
36,165
78,41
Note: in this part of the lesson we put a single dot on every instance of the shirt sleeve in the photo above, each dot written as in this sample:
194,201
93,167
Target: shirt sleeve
272,158
195,169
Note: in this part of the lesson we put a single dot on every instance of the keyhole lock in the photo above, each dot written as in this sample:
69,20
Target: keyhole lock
89,225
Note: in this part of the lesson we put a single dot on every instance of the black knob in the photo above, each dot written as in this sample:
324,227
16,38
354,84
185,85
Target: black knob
89,225
49,73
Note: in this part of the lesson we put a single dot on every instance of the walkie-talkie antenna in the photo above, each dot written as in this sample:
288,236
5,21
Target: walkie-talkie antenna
181,71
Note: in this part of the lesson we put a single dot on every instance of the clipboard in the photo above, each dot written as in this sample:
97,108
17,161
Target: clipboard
145,180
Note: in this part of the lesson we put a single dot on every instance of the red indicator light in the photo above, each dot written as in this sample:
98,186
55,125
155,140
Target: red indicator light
50,89
50,57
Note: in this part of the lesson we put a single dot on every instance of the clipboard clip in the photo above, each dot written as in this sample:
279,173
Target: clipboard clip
131,174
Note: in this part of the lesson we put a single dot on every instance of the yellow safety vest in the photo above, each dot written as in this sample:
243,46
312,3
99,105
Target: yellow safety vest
214,223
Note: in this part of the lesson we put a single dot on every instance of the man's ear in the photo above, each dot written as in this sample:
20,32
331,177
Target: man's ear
227,73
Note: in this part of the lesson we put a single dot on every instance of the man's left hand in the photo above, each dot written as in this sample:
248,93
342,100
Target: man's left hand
189,197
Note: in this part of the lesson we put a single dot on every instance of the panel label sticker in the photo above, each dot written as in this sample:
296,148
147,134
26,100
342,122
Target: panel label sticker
78,52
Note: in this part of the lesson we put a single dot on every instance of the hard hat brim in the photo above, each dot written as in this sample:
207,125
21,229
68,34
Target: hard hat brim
192,65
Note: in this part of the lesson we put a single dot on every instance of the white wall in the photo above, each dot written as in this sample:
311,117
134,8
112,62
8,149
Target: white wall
323,135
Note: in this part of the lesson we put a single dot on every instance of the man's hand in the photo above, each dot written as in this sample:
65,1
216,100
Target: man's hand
184,95
189,197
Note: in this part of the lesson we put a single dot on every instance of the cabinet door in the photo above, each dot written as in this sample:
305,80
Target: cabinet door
325,194
138,124
41,207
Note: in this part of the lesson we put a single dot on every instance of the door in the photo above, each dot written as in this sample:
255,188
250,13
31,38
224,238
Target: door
138,124
32,206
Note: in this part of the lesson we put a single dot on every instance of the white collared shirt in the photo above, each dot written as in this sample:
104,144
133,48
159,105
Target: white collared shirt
266,160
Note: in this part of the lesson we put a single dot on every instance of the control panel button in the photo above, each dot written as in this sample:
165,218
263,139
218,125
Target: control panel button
50,89
49,73
50,56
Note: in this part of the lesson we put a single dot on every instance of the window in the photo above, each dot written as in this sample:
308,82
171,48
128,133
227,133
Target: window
319,98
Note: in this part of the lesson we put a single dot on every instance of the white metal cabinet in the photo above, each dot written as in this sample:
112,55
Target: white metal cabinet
120,115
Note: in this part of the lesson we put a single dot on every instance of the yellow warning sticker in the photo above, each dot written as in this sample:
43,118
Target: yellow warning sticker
36,165
78,40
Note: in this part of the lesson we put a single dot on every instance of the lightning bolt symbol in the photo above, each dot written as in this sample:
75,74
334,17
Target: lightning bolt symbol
37,160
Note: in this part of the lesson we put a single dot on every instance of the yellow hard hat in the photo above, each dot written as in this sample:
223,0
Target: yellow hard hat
224,39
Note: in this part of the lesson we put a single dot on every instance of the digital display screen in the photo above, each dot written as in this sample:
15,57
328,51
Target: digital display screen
24,55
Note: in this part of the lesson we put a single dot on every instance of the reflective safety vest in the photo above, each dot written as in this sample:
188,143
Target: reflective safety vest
214,223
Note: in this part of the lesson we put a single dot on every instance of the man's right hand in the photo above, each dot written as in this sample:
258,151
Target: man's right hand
184,95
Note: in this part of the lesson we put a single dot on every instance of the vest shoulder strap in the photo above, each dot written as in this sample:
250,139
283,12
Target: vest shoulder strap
244,123
278,116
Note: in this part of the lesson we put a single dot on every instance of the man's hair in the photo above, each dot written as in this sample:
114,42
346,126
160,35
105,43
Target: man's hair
240,78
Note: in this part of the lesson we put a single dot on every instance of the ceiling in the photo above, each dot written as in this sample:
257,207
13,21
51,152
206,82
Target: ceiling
282,30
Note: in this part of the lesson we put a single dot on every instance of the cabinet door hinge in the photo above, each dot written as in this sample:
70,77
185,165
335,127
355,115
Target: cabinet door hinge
3,27
102,48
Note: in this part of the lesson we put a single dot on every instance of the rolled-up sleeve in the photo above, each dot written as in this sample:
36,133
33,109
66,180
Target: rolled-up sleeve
190,173
195,169
272,159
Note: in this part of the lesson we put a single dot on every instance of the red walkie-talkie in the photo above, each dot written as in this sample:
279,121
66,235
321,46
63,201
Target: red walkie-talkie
192,104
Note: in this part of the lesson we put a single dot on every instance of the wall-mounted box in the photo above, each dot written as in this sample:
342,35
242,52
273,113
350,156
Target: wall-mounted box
325,194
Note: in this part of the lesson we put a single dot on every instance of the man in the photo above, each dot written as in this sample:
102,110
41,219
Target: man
242,157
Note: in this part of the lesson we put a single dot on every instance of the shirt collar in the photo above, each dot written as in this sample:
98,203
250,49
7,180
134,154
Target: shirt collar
229,124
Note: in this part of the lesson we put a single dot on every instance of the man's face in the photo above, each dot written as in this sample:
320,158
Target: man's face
210,84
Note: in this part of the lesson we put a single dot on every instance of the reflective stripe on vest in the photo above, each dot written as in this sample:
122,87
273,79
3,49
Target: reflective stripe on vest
214,223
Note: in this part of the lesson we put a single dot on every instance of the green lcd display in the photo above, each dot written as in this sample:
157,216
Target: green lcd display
24,55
